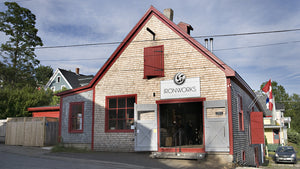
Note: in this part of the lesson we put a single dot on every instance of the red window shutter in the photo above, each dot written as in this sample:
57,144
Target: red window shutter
154,61
257,128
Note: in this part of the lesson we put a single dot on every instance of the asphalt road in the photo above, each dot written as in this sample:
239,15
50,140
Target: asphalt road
19,157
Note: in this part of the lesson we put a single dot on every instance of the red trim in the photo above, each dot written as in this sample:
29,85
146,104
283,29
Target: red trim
241,114
269,116
180,100
230,116
107,130
70,114
151,11
187,150
59,125
93,120
276,141
50,108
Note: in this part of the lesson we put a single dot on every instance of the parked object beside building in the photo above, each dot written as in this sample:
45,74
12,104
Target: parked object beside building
67,79
162,91
45,111
31,131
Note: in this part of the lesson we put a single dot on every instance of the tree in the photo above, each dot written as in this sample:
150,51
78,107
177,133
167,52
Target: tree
14,102
278,92
291,104
43,74
18,52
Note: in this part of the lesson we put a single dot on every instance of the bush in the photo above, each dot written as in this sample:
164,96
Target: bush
293,136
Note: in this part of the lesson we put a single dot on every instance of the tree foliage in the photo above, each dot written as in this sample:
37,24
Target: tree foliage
20,72
14,102
17,53
291,104
43,74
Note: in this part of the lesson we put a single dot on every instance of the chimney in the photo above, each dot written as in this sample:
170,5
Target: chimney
169,13
185,27
77,70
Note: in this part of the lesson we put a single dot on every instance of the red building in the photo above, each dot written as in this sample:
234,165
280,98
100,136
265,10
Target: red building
49,111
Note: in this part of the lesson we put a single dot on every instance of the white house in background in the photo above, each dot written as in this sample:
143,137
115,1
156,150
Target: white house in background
275,124
68,79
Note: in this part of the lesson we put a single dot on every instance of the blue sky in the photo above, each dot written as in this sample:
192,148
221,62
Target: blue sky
69,22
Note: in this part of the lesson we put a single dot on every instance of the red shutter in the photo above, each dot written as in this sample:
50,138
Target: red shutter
154,61
257,128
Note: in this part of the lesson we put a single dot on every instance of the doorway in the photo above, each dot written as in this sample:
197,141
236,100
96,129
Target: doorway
181,125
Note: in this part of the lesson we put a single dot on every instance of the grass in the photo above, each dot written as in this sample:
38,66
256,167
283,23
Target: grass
62,148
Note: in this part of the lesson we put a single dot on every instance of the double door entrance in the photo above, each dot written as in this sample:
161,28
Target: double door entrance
169,126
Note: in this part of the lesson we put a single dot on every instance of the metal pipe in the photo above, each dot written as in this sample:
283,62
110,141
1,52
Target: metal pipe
206,43
211,44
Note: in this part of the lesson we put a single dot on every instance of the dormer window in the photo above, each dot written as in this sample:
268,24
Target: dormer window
153,62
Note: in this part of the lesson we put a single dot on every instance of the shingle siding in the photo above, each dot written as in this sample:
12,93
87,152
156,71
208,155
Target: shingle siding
126,76
242,139
77,138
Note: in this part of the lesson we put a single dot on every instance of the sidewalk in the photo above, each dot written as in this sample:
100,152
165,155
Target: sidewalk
129,159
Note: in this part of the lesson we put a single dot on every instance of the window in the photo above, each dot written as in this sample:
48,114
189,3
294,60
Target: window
241,113
243,156
120,113
58,79
76,117
153,62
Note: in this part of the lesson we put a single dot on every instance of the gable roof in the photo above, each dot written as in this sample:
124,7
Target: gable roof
229,72
72,79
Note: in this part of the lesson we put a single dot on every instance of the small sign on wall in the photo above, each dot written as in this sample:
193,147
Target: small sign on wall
171,89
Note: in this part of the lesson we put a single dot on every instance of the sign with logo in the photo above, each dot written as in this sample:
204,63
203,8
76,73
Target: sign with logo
180,87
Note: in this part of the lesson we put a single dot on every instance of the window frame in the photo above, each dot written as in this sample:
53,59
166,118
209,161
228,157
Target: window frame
70,117
243,155
117,109
146,67
241,113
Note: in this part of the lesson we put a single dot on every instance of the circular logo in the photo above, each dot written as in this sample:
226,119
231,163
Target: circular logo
179,78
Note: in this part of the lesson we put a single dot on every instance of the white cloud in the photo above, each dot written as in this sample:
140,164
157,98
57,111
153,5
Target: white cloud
77,22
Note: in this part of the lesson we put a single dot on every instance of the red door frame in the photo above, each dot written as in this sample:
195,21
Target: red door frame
172,101
276,141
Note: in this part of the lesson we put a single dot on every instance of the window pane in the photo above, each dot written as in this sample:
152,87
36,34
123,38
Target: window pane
112,124
121,124
121,102
130,113
129,123
112,103
112,114
121,113
130,102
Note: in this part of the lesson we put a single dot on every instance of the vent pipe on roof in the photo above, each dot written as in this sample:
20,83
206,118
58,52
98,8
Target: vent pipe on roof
206,43
211,44
169,13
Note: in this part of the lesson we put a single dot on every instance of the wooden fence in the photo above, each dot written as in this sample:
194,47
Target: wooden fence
2,130
31,131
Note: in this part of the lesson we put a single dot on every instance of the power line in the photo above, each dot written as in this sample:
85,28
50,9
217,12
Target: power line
177,53
195,37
